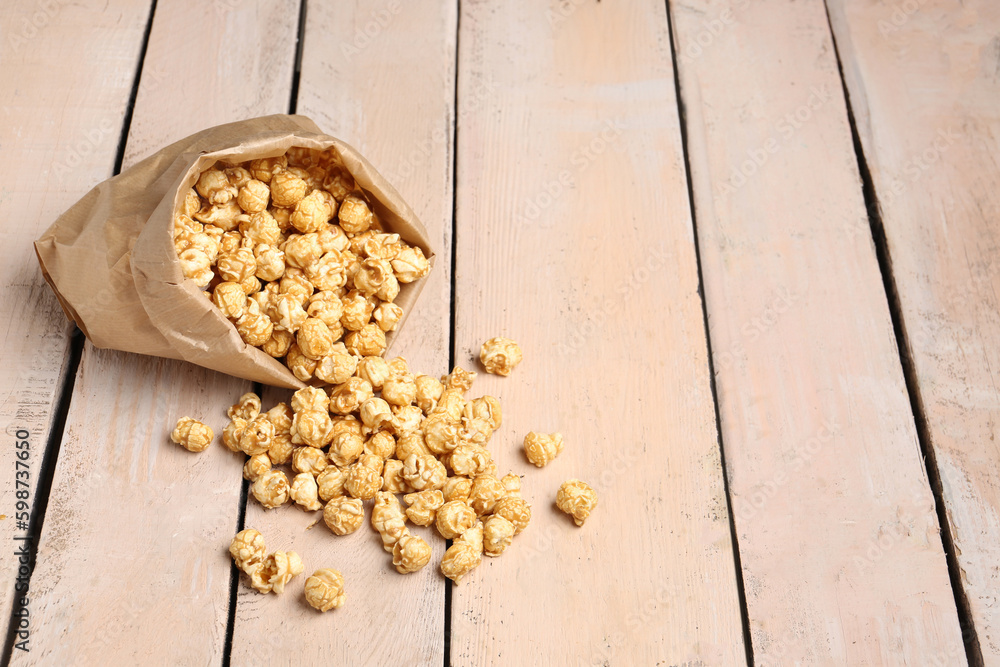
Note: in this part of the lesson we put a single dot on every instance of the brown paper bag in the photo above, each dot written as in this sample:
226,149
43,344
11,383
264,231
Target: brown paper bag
111,261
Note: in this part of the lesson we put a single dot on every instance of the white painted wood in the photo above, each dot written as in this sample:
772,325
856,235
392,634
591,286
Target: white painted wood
922,77
354,86
59,133
133,566
841,555
574,238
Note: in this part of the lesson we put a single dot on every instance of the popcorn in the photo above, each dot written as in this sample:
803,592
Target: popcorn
368,341
277,570
464,555
453,518
424,471
237,266
264,168
324,590
387,316
254,196
232,433
500,355
577,499
515,509
330,483
309,398
362,481
374,370
247,549
346,447
343,515
381,444
304,492
470,460
287,189
260,228
422,506
230,298
309,460
410,553
215,187
541,448
400,390
311,213
485,407
256,465
457,488
271,489
498,533
314,338
388,519
392,477
192,435
357,311
281,416
428,391
410,264
354,215
486,491
375,413
257,436
312,427
459,379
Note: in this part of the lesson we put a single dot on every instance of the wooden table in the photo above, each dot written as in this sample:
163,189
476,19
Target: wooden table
750,250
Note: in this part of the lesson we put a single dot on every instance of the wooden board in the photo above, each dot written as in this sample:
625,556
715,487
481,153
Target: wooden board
400,118
574,238
922,78
59,137
133,566
841,554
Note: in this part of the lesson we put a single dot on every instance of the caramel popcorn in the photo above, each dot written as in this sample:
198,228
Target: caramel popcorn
287,189
301,366
196,265
470,460
368,341
343,515
254,196
304,492
312,427
345,448
392,477
324,590
362,481
577,499
373,370
281,449
192,435
541,448
271,489
348,397
261,229
277,570
381,444
257,436
230,299
410,553
424,471
247,549
375,412
309,398
428,391
512,484
215,187
354,216
406,418
400,390
486,491
515,509
312,213
498,533
387,316
309,460
410,264
453,518
264,168
357,311
440,433
422,506
256,465
464,555
254,328
485,407
232,433
330,483
409,444
500,356
457,488
388,519
451,404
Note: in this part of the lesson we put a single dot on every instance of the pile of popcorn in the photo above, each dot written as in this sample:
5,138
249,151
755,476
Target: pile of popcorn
294,257
290,251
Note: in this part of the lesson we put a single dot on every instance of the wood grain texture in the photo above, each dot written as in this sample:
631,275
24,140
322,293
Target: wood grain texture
59,137
137,527
400,118
840,546
574,237
923,82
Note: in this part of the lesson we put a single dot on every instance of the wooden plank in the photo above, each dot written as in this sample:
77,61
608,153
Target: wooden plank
839,542
922,82
574,237
133,565
59,136
400,119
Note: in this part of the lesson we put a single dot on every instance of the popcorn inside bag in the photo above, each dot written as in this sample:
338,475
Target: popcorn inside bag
291,253
264,249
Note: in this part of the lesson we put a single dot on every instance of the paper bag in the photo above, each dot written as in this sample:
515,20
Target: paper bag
111,261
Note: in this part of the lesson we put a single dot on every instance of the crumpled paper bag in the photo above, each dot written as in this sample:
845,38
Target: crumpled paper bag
111,261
